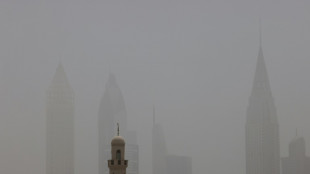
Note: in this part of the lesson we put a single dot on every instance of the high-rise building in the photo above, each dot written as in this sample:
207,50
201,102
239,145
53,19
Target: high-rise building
179,164
117,164
112,110
132,152
262,132
159,150
297,162
60,125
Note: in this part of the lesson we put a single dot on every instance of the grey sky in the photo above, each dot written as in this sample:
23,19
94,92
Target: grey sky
194,60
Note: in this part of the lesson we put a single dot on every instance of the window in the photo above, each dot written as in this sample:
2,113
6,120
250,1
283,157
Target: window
118,154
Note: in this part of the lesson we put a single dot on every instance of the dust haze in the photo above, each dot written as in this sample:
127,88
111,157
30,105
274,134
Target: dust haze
192,63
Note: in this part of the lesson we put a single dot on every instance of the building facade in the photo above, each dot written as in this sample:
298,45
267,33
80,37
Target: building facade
297,162
262,130
159,150
60,125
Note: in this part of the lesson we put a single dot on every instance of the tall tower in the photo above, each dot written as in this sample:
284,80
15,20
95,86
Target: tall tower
60,125
159,150
117,164
262,132
112,110
297,162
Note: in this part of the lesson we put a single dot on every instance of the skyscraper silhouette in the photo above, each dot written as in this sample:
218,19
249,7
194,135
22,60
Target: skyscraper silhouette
297,162
262,132
60,125
112,110
159,150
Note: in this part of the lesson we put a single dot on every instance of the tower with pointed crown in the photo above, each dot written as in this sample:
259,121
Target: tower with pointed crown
262,130
112,110
117,164
60,125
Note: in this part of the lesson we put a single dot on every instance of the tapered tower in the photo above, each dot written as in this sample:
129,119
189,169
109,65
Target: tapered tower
112,110
60,125
262,130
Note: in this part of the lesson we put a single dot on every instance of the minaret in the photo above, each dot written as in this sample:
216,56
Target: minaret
60,125
262,132
117,164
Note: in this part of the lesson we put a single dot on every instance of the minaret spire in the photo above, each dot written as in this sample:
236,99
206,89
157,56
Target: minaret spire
117,129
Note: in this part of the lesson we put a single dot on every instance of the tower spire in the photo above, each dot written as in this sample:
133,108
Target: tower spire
261,80
260,32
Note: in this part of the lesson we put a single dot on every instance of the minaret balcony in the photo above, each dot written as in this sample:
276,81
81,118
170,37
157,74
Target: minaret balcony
117,163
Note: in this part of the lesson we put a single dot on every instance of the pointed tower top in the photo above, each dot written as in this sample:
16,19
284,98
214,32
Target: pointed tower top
112,80
60,77
261,80
261,107
260,32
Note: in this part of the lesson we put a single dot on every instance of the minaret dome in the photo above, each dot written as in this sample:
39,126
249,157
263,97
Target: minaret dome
118,141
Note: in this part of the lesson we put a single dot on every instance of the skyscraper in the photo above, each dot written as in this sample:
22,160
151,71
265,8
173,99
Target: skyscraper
262,132
60,125
132,152
297,162
112,110
159,150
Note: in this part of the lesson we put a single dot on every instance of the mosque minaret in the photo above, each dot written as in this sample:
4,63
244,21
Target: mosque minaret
117,164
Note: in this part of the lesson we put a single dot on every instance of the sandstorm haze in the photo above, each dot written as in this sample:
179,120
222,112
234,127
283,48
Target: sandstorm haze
193,60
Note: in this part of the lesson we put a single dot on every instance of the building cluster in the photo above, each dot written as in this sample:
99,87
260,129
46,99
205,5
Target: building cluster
261,133
112,111
60,126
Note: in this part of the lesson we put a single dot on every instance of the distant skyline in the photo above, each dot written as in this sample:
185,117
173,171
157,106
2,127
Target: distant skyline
194,60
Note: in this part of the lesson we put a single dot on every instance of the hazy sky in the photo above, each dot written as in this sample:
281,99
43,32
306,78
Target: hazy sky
194,60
